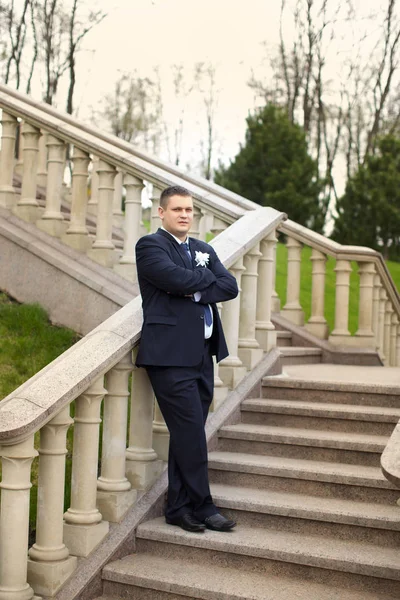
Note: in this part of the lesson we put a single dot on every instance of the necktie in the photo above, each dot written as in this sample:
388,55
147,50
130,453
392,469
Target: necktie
207,309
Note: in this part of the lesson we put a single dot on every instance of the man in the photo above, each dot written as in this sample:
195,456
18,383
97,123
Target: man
181,280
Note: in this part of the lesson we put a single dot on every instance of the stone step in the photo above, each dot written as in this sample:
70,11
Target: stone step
299,355
321,415
299,549
283,338
333,446
144,576
332,480
325,517
288,388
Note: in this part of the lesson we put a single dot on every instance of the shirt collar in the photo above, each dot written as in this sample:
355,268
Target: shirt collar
175,238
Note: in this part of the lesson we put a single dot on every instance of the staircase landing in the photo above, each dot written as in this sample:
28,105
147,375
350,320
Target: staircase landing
370,377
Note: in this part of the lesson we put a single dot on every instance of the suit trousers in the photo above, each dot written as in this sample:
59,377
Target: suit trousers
184,395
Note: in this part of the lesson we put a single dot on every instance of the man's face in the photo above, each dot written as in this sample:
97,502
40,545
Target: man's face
177,216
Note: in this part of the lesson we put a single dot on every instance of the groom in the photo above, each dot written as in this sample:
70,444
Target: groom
181,279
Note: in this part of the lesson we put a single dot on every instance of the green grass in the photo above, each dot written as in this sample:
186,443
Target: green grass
330,284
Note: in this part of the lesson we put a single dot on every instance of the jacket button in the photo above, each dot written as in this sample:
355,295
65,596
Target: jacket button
201,316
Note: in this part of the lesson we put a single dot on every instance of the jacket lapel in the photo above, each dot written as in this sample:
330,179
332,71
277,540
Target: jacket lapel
176,247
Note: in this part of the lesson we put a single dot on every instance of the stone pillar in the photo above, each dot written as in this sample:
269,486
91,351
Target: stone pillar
103,249
28,207
375,309
365,336
220,390
393,340
382,312
292,309
52,220
249,351
317,324
7,159
155,222
14,520
195,229
398,347
118,215
77,235
160,433
218,226
94,186
114,495
341,334
133,209
20,150
42,161
206,222
142,463
50,564
265,331
387,332
231,369
276,303
84,528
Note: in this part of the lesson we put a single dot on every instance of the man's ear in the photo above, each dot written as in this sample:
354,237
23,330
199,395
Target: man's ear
160,212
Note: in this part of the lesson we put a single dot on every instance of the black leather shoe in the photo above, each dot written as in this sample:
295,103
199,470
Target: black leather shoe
188,522
218,522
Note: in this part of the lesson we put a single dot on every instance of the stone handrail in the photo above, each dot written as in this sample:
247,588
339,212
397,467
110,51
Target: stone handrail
390,459
96,368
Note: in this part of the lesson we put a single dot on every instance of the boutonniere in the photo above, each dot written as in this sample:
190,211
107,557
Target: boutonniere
201,258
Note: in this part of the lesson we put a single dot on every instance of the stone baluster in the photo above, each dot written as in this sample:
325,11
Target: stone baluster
292,309
94,186
375,309
160,434
118,215
19,165
52,220
365,336
103,249
133,208
220,390
276,303
218,226
341,334
231,369
77,235
382,312
206,223
84,528
265,331
155,222
142,463
14,520
393,339
387,334
317,324
114,495
249,351
398,345
42,161
7,157
50,564
195,228
28,207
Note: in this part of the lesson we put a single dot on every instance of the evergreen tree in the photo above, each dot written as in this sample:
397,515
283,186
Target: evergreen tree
369,210
273,168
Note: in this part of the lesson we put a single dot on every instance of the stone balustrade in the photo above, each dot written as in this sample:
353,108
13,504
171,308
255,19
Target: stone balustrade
378,306
69,394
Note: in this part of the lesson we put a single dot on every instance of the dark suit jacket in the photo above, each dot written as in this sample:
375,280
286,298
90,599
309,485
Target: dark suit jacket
173,326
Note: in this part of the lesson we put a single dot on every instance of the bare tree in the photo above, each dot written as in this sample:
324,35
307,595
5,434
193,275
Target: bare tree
207,85
17,26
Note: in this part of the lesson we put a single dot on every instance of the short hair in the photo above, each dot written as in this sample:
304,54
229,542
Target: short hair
173,190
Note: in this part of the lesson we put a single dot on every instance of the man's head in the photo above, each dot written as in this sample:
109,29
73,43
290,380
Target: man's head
176,211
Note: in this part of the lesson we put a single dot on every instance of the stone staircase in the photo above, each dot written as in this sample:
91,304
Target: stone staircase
300,473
